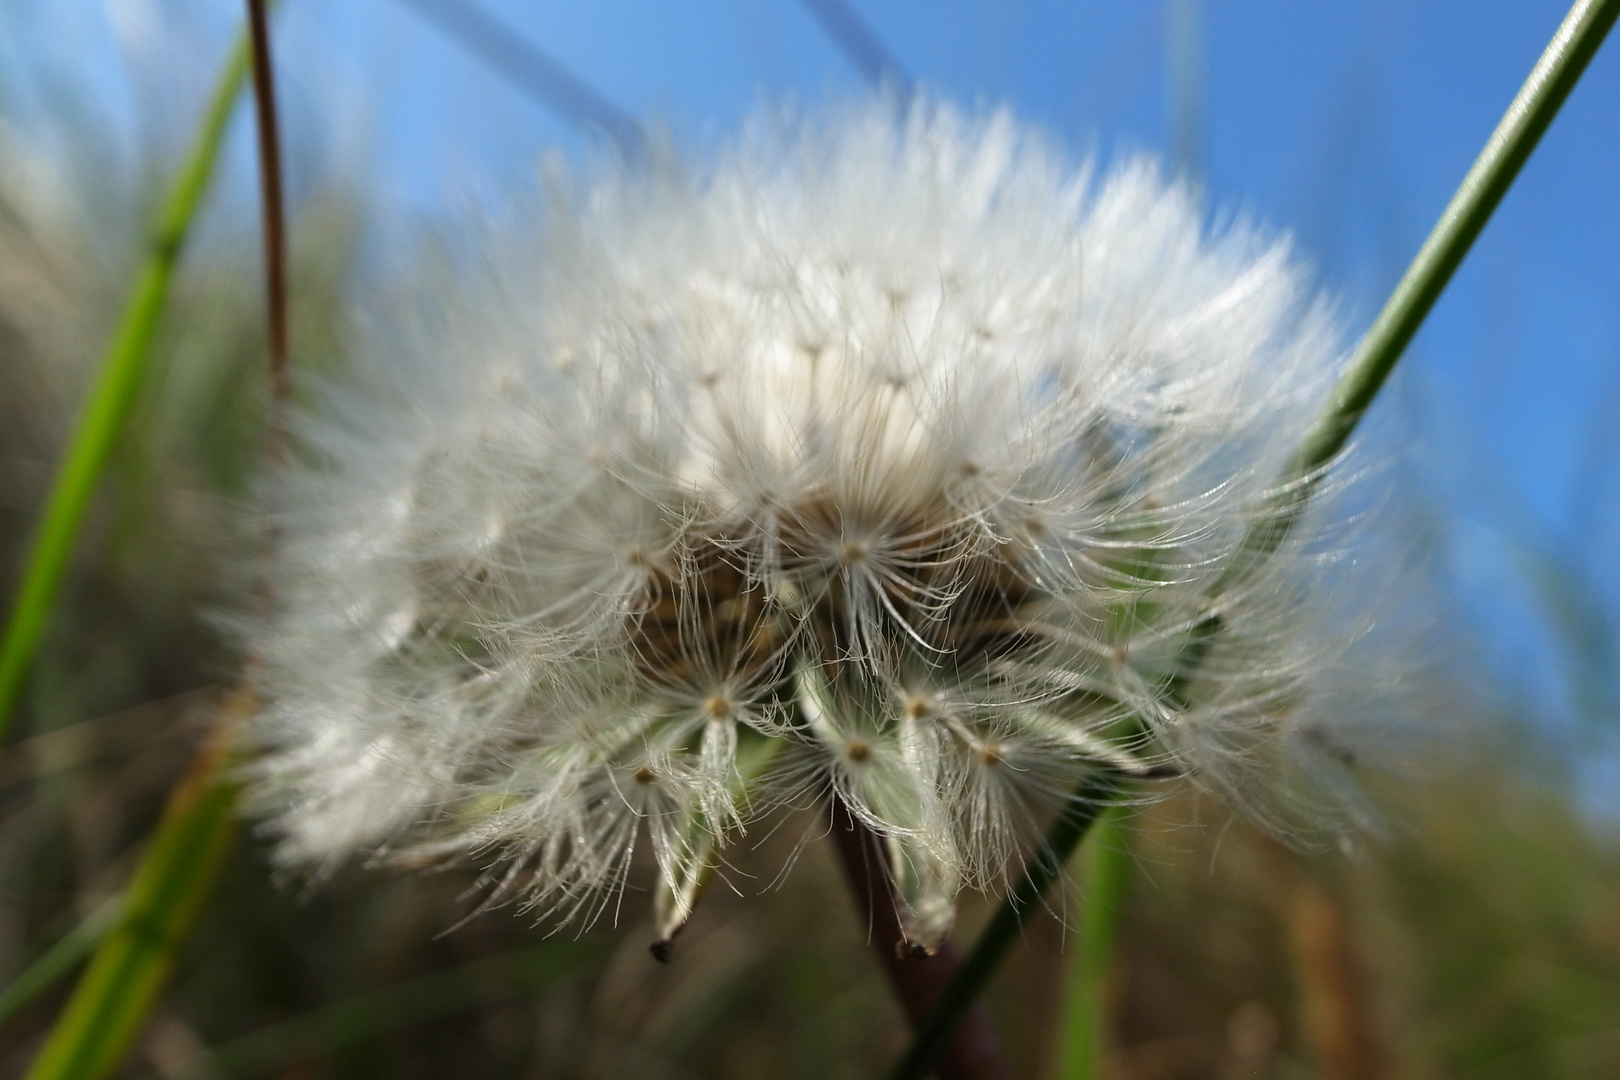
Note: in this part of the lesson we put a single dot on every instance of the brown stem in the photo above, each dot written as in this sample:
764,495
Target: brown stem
1335,999
275,228
1333,985
274,218
973,1052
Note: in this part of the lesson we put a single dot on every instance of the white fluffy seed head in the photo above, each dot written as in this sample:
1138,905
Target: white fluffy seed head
895,456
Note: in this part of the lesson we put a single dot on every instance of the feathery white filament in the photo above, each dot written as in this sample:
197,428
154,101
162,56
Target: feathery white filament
897,443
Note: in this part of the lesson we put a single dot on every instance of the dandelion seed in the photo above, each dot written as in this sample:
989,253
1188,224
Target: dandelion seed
894,458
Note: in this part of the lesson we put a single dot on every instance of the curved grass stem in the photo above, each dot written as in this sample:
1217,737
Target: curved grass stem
1526,120
133,960
1493,172
117,385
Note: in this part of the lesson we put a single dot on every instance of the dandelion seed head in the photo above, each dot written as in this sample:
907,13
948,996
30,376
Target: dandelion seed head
895,458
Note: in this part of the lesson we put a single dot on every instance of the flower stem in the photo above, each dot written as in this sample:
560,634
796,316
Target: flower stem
919,982
1493,172
957,999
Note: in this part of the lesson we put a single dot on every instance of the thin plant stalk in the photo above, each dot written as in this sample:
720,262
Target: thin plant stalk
1527,118
1106,863
56,962
273,215
111,1002
275,225
123,371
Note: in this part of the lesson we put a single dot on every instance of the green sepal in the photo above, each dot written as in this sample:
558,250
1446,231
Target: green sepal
925,888
696,857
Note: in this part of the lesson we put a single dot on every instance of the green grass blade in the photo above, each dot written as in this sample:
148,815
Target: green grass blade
129,968
389,1008
122,372
1527,118
58,960
1493,172
1107,865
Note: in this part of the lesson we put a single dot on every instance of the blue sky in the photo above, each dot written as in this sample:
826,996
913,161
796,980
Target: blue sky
1348,124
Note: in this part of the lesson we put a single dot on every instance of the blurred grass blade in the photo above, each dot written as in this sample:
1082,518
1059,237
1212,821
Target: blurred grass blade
58,960
1330,981
116,386
110,1005
864,48
390,1008
111,1001
1107,863
1531,111
1185,45
531,70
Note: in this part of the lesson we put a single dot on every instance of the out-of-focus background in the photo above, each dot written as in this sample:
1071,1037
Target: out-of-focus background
1479,937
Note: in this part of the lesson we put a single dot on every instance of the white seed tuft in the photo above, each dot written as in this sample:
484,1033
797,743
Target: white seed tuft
898,446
